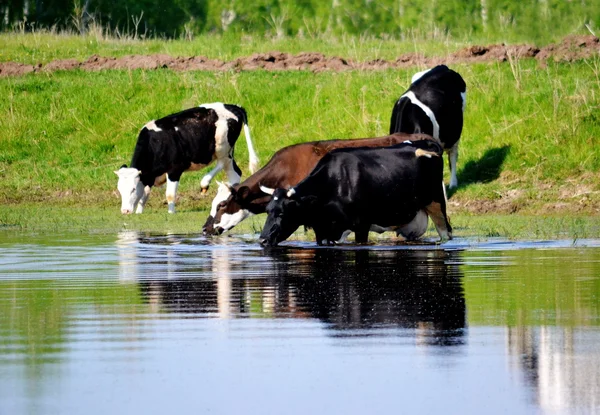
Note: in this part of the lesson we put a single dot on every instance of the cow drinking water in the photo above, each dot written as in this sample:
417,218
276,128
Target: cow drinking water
234,203
361,189
186,141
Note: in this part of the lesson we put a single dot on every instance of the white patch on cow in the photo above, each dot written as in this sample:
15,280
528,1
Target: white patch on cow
463,95
143,200
266,189
415,228
415,101
253,158
291,192
453,157
130,187
220,109
176,128
444,189
418,76
344,236
275,198
171,194
228,221
223,193
407,142
205,182
152,126
381,229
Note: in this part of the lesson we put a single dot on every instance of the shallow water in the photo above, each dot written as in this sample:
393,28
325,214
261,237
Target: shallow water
150,324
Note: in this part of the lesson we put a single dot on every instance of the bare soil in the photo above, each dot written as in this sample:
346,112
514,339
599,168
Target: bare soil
570,49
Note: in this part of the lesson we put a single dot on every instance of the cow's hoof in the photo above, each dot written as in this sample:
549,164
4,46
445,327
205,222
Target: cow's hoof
204,191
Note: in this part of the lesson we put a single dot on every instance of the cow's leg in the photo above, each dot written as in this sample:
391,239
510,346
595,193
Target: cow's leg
361,234
205,182
452,159
143,200
437,212
171,193
234,174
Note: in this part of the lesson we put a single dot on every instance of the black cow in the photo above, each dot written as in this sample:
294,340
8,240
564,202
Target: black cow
434,104
359,189
185,141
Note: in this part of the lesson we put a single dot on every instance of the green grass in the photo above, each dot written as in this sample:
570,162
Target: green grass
43,47
530,142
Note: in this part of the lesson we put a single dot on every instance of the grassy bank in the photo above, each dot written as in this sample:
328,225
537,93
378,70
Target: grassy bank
530,142
39,219
43,47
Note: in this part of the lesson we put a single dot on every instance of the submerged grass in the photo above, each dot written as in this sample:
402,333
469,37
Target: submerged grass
38,219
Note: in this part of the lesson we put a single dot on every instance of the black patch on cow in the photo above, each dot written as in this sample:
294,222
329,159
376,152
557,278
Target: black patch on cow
440,89
407,116
173,151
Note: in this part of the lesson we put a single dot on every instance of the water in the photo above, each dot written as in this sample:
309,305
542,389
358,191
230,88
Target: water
148,324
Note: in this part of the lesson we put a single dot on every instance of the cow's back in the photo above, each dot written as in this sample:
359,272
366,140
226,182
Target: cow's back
178,139
389,184
442,90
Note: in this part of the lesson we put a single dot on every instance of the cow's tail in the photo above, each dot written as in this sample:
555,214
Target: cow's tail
252,157
397,114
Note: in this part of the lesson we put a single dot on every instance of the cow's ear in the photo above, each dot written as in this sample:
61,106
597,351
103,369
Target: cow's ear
124,166
242,194
308,202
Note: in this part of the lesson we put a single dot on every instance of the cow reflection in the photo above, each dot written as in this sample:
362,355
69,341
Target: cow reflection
354,292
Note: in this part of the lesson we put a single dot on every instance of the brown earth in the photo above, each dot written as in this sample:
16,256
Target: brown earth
570,49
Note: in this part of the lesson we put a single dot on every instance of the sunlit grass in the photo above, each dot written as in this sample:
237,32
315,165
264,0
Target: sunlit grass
43,47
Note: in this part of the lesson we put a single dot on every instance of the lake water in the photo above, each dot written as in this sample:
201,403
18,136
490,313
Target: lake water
138,324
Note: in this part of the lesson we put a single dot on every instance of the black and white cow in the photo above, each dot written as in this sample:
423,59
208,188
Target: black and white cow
434,104
186,141
363,189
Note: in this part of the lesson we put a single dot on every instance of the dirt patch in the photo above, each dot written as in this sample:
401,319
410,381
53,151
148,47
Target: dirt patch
570,49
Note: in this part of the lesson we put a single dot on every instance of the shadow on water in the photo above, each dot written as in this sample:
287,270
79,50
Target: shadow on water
484,170
356,293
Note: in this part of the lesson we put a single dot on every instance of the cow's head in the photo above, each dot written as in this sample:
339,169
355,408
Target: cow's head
227,209
130,187
284,216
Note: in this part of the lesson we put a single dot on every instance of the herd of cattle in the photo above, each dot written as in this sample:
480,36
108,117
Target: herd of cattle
391,183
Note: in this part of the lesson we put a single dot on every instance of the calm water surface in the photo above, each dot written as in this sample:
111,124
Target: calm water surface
167,324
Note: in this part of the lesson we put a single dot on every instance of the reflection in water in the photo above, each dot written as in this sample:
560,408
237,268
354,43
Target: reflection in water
561,364
173,317
349,290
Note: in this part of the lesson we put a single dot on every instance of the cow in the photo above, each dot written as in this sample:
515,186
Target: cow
434,104
354,189
186,141
287,167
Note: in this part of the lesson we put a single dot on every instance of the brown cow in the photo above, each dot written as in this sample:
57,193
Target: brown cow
287,167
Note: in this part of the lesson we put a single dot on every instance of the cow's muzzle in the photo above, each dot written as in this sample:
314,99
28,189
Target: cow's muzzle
268,242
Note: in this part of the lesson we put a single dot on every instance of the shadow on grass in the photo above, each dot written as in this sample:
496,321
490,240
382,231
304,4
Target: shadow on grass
484,170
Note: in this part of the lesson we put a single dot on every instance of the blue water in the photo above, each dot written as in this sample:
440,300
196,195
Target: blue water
169,324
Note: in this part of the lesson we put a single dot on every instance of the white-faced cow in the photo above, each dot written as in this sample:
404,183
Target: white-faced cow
434,104
287,167
185,141
362,188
